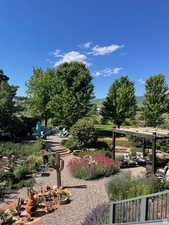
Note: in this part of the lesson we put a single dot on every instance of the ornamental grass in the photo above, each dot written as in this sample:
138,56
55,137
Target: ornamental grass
93,166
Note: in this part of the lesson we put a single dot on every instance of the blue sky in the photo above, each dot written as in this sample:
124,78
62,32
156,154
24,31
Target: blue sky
113,37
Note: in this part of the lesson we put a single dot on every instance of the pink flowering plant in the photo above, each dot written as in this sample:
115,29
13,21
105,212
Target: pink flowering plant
93,166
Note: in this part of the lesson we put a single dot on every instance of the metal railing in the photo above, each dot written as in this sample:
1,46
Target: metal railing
140,209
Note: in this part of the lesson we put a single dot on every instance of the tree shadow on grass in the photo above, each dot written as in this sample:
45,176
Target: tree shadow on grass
104,133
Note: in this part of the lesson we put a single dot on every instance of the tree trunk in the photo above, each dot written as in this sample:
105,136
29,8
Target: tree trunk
118,125
58,178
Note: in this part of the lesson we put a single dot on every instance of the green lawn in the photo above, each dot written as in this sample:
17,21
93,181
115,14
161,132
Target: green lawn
103,126
104,130
119,142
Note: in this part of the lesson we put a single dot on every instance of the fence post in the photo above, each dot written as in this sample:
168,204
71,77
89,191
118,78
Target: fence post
112,213
143,209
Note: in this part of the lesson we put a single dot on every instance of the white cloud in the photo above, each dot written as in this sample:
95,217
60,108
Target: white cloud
108,72
116,70
57,53
104,50
87,45
72,56
97,74
141,81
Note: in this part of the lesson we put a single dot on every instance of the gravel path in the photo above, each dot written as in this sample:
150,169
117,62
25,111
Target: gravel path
83,199
86,195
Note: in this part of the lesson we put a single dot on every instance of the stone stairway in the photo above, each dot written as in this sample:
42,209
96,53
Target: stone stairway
63,151
54,143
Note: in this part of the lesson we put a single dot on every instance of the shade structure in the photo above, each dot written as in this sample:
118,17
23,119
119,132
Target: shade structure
152,134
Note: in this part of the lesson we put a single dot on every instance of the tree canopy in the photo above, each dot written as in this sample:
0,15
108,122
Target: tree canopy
120,103
156,101
63,93
7,104
74,93
40,90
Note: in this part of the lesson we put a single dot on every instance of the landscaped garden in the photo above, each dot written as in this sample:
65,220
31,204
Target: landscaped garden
93,166
88,136
17,163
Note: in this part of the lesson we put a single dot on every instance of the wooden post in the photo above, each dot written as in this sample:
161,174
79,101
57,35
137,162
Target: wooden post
154,154
144,146
114,144
111,213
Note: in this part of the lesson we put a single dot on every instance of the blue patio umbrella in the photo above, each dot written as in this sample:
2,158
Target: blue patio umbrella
38,129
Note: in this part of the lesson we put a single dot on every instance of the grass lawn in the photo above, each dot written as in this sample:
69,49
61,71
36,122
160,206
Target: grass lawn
104,130
124,143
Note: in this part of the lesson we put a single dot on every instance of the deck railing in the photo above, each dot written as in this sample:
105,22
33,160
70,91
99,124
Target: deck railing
140,209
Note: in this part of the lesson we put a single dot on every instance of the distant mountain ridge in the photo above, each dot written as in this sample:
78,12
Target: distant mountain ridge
99,101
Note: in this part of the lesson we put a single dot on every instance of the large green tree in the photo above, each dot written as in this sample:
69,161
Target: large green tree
74,93
120,103
156,100
7,105
41,89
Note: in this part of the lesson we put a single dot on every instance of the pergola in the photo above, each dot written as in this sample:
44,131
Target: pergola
147,133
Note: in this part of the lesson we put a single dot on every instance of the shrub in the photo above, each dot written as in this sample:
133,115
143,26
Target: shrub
125,186
21,172
93,166
98,215
3,190
136,141
84,133
92,151
24,183
163,145
26,126
8,177
160,162
63,142
19,150
33,162
120,157
108,154
41,143
71,144
101,145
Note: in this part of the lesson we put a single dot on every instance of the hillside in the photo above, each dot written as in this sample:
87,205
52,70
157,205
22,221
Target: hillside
99,101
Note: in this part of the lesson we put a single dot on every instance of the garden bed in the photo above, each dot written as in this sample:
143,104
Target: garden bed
17,163
93,166
35,206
